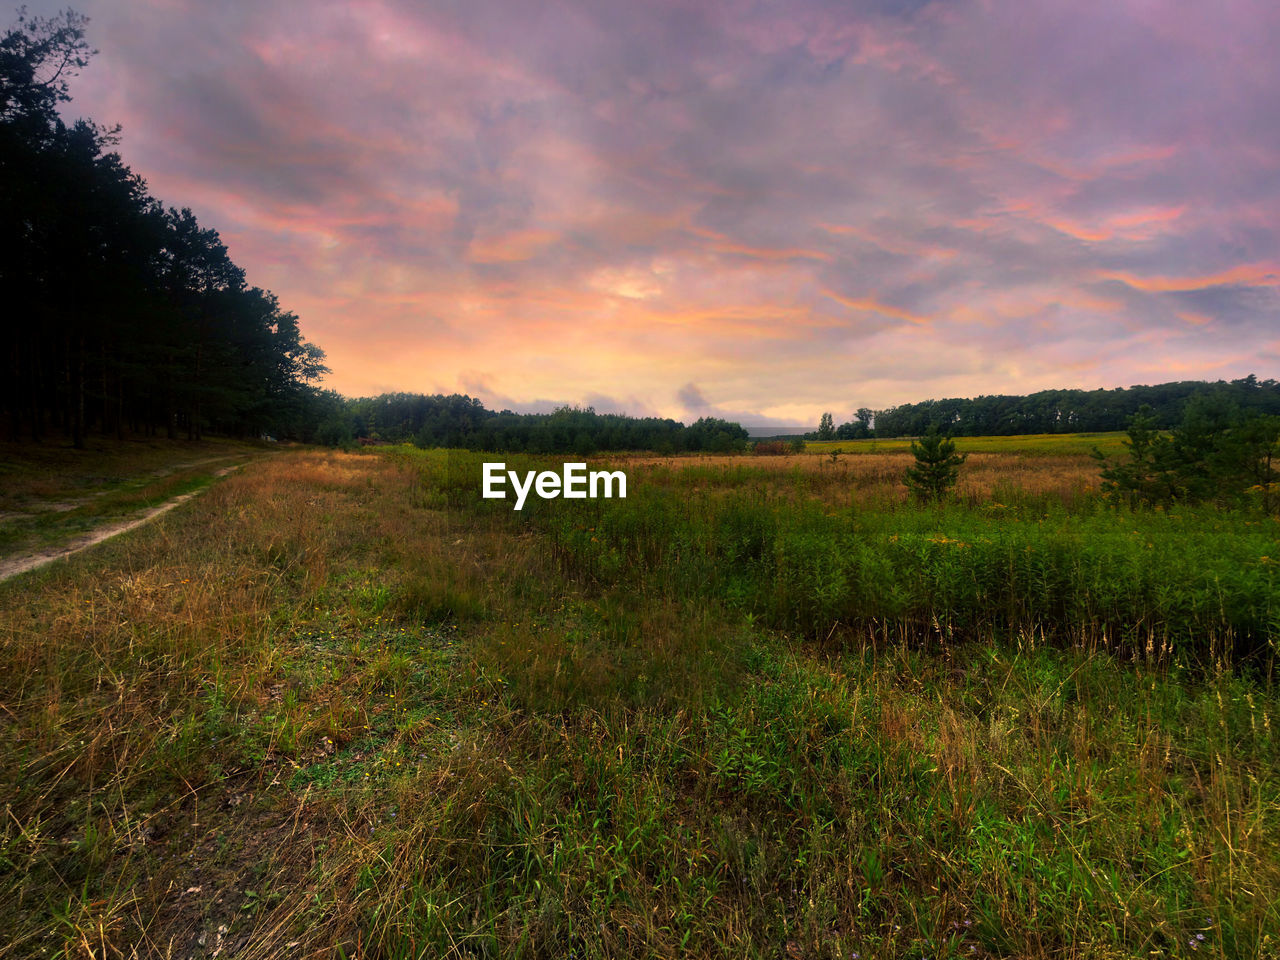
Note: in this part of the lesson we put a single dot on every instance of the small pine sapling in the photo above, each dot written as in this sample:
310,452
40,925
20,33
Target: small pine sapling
937,466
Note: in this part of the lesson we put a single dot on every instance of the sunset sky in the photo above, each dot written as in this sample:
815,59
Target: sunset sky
746,209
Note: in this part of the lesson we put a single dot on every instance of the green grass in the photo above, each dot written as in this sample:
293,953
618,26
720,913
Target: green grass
1201,582
739,714
130,497
53,493
53,470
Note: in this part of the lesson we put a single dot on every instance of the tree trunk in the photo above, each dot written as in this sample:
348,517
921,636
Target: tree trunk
106,394
195,419
171,415
77,396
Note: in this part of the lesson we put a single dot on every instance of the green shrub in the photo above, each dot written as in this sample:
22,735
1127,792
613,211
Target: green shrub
936,468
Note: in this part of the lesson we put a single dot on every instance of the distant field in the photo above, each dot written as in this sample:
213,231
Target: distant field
341,706
1038,444
1058,465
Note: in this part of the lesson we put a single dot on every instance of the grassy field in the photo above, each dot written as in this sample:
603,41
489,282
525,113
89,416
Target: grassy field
339,706
1027,445
50,492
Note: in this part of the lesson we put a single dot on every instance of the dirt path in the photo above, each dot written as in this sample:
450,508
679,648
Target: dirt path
12,566
35,507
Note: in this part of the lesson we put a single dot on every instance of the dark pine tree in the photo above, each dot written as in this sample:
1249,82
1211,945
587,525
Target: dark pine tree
937,466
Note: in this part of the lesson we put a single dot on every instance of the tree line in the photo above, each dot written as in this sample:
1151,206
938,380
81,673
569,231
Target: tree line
1053,411
127,317
464,422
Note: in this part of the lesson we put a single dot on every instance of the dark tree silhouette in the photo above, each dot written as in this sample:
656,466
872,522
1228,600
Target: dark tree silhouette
458,421
130,317
1061,411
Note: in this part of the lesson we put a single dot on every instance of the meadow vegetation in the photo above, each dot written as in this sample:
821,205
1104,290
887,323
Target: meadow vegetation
50,492
341,706
1022,445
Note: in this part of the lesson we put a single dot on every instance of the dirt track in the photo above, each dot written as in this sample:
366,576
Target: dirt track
13,566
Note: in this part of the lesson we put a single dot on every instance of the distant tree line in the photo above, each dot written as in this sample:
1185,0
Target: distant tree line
464,422
125,316
1053,411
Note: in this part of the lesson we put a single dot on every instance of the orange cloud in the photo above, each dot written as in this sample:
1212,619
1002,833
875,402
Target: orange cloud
1141,224
1247,274
723,244
871,306
1195,319
769,253
898,245
511,247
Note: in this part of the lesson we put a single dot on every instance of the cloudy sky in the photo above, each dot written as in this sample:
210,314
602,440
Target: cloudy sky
755,209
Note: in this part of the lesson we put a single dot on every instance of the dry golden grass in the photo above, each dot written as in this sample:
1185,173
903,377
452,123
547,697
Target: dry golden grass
878,477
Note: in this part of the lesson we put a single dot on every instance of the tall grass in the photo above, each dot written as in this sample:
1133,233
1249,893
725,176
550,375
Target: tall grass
1192,583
